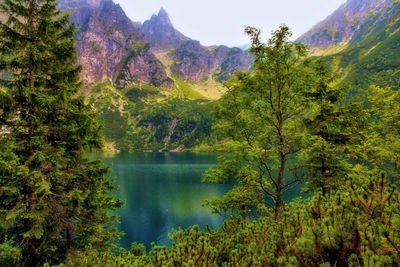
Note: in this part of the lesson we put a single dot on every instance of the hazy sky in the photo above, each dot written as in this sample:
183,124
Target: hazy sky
215,22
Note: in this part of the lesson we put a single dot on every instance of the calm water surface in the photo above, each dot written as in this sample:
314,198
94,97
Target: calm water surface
163,191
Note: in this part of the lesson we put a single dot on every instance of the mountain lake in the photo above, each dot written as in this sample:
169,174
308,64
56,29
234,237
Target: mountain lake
162,192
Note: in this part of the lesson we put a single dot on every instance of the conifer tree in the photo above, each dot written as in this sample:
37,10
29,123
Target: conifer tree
332,129
53,200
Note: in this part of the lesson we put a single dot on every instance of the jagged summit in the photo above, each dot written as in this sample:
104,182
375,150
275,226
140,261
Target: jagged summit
162,18
111,46
163,13
161,34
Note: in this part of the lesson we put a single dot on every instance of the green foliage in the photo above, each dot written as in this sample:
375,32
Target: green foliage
95,258
183,90
332,130
382,148
115,125
114,110
10,254
139,118
261,116
53,200
171,124
357,226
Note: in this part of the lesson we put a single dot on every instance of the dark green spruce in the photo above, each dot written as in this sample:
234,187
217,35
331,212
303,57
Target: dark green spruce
332,129
53,200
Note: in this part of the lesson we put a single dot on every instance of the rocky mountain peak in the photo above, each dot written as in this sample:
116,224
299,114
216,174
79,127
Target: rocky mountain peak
112,15
111,47
163,14
161,34
161,20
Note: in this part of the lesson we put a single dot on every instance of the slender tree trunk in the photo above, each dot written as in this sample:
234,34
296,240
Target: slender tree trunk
279,187
323,169
279,195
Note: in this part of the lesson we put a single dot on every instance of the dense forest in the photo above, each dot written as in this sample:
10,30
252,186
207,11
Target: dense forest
286,122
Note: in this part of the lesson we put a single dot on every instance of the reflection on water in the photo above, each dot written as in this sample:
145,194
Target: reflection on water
163,191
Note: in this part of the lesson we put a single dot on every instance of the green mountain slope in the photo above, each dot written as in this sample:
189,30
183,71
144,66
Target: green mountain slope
373,56
367,54
145,118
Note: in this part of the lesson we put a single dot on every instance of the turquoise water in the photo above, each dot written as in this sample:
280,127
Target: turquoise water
163,191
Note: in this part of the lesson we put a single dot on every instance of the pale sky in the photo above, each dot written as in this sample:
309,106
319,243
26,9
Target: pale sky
216,22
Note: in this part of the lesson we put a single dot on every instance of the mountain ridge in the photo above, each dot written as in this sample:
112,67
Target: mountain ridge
111,46
368,53
344,26
191,60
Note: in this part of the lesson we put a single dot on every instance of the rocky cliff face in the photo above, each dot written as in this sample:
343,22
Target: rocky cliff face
346,23
231,60
161,34
192,61
111,46
108,45
142,67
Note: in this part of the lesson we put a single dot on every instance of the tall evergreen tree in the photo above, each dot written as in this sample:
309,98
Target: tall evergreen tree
53,200
332,129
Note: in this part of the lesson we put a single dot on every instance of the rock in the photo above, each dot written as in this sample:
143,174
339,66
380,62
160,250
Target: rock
106,41
161,34
195,62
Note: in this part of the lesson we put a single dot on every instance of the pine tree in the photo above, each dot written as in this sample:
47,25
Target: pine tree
53,200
